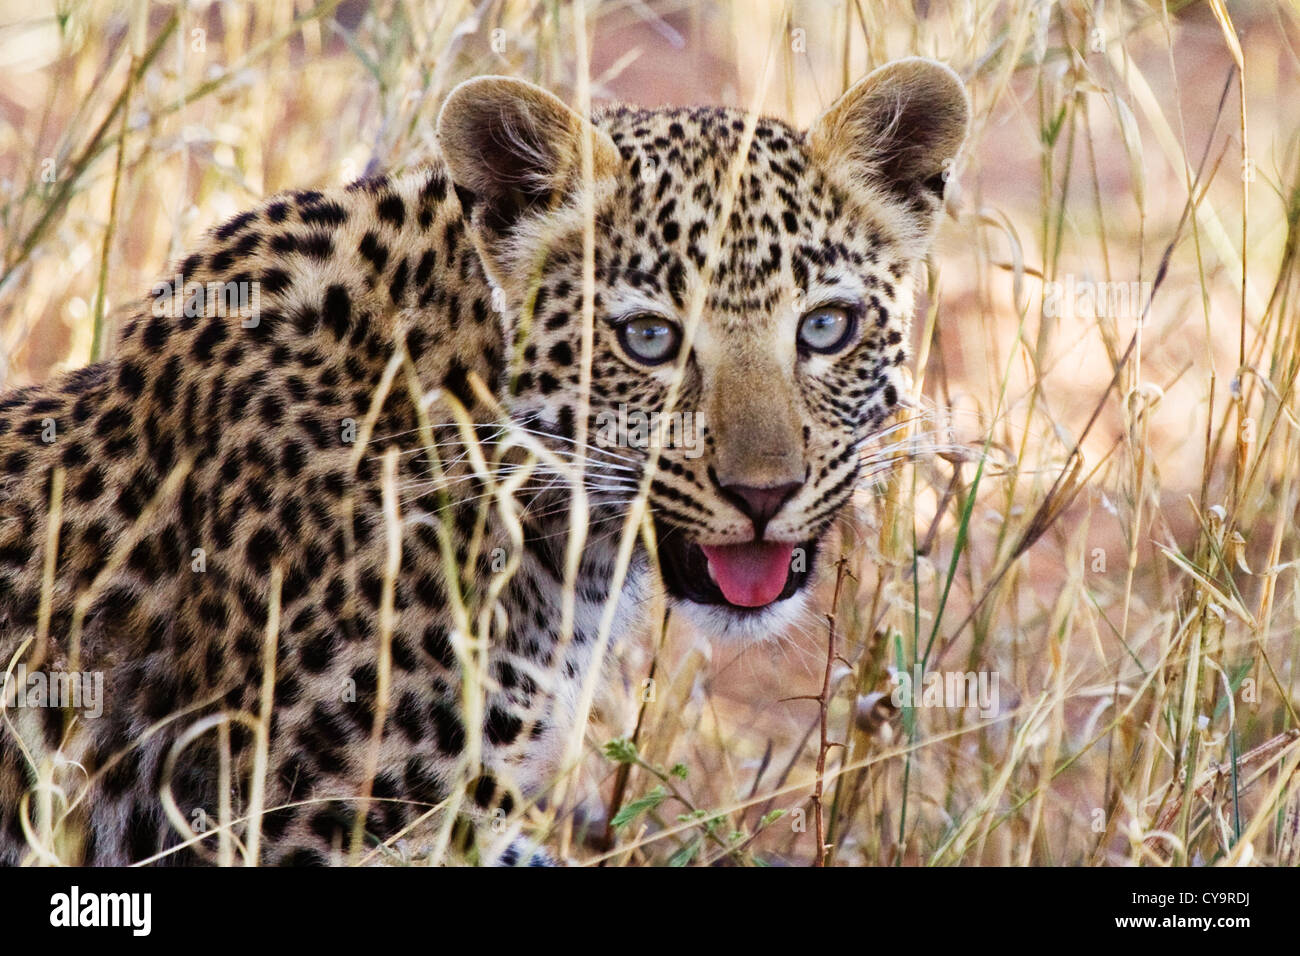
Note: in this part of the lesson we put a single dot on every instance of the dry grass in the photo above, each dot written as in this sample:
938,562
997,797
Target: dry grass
1111,531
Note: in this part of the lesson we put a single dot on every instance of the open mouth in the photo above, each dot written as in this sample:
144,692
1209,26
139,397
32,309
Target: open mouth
746,577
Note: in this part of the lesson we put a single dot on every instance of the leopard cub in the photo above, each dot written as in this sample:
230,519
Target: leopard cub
317,543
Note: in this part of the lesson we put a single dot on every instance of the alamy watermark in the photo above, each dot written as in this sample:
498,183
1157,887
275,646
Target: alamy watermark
1085,299
133,911
633,428
80,690
177,298
950,689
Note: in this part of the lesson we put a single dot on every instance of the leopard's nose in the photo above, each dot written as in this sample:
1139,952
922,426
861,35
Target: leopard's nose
759,504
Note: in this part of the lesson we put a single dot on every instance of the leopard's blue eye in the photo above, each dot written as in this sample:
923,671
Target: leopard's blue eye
826,329
650,339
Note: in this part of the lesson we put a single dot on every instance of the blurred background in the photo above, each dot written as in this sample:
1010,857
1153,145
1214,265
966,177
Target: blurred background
1096,498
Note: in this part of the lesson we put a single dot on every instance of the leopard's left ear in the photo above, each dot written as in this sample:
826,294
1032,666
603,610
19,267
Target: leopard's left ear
517,149
899,130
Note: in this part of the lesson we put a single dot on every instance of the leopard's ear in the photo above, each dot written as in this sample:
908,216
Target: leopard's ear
517,149
899,130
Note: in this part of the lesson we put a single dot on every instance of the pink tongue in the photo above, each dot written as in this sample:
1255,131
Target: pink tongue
750,574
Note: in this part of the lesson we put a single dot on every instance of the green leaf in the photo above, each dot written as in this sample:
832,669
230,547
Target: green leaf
639,806
702,817
771,817
621,750
680,770
686,854
1234,683
1053,129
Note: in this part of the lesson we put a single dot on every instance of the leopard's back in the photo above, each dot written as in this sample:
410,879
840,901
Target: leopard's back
217,445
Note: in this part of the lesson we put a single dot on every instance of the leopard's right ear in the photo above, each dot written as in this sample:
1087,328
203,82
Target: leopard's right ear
517,150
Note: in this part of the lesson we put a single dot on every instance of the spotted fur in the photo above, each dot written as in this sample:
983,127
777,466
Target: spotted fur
213,455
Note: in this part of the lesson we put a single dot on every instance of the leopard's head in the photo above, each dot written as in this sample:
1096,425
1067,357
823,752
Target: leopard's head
752,294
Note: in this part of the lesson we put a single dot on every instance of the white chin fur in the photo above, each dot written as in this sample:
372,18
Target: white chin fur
748,627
